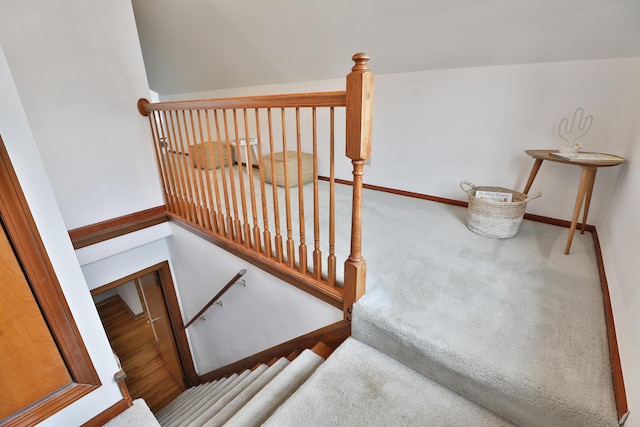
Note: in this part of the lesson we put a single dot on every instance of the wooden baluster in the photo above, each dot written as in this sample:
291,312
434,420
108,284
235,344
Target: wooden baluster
265,212
291,260
223,168
198,184
302,247
184,166
167,158
243,197
211,206
154,119
331,260
219,219
317,253
359,111
175,164
274,188
257,246
237,226
173,174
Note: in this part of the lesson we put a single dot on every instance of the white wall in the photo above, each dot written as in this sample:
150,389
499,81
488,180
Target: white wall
116,266
34,181
265,313
79,71
129,294
619,236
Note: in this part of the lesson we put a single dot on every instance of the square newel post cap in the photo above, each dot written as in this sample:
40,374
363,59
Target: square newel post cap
359,108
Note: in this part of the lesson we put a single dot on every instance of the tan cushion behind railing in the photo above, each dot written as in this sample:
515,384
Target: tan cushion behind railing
197,151
292,168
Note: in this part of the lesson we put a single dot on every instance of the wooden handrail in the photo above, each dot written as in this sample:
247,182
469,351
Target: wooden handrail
314,99
217,296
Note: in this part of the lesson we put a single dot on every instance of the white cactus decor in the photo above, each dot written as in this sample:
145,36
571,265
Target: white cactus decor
579,127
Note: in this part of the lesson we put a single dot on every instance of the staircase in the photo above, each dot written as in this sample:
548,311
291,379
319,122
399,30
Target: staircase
494,333
357,386
244,399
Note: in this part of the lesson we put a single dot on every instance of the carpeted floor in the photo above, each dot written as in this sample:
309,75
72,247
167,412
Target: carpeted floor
513,324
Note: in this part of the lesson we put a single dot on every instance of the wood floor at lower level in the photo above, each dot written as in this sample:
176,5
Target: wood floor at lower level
134,343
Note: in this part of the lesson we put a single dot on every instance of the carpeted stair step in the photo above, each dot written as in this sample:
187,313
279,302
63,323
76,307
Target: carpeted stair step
360,386
203,404
138,415
187,409
527,341
186,399
172,406
276,391
214,407
231,408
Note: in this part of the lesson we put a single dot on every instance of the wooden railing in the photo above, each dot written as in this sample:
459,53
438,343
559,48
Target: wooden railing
245,172
216,297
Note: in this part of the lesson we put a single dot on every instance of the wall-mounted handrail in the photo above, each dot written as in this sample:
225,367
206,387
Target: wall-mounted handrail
213,300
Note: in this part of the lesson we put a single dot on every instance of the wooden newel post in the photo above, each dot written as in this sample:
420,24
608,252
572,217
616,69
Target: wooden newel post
359,114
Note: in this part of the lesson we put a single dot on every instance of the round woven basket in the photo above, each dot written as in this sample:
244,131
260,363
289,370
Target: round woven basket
489,218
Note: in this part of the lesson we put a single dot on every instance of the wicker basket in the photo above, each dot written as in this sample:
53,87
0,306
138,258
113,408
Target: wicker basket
292,168
489,218
201,155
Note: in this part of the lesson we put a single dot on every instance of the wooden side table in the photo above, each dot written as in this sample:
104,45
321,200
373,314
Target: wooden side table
587,179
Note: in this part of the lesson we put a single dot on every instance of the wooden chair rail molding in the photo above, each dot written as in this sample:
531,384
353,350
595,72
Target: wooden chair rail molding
219,295
105,230
245,172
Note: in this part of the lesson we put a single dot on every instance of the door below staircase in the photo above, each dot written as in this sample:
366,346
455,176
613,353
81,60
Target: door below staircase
132,339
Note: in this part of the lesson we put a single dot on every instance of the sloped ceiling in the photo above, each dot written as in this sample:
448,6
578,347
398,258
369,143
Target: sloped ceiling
197,45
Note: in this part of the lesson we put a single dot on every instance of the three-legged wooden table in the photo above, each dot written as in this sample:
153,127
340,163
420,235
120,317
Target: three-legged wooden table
588,177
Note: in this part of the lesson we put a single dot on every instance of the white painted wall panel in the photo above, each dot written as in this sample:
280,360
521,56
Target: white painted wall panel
79,72
265,313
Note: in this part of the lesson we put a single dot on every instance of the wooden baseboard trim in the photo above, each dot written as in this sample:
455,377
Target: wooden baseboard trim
332,336
453,202
616,367
105,230
107,415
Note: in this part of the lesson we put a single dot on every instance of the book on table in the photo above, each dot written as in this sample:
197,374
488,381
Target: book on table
588,157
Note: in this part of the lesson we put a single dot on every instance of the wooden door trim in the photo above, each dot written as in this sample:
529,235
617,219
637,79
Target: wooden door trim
23,235
173,311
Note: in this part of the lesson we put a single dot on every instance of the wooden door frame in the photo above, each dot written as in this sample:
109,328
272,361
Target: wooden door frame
163,270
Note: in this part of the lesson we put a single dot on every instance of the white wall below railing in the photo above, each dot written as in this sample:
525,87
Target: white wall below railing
261,315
